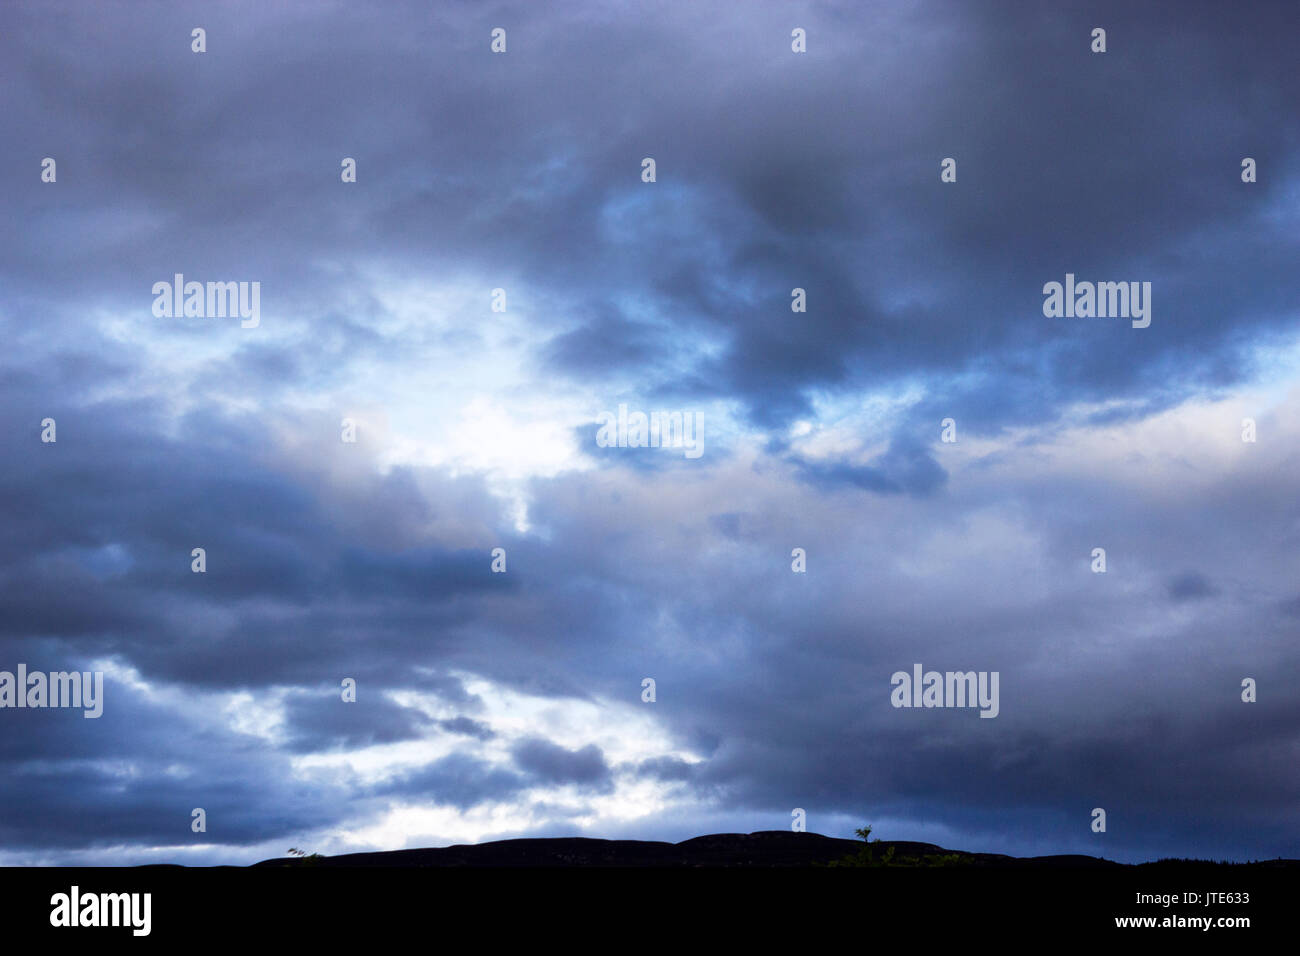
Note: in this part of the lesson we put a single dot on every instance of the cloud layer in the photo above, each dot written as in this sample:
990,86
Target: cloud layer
505,704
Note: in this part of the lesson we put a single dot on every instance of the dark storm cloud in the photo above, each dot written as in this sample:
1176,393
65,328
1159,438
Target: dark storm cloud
269,540
610,342
774,172
665,768
467,727
825,179
460,780
552,763
906,467
1189,586
325,722
133,776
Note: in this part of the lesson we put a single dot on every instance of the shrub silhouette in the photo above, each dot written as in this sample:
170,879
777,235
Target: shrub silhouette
867,856
308,859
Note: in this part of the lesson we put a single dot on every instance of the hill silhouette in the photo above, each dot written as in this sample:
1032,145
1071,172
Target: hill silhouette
765,848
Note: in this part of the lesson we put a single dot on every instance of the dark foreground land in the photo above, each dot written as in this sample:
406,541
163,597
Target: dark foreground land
729,891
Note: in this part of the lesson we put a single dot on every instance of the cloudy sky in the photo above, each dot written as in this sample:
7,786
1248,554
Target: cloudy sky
492,705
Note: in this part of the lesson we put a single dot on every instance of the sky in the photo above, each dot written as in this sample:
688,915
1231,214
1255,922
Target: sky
492,704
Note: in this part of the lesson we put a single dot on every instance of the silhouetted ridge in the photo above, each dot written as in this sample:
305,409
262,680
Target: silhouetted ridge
766,848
